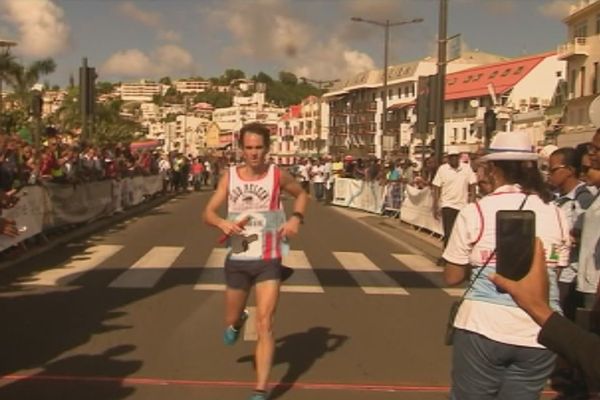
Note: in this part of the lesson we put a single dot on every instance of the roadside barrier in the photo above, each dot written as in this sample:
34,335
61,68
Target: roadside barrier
51,205
370,196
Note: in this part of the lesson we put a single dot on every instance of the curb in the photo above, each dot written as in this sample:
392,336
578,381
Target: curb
401,227
87,229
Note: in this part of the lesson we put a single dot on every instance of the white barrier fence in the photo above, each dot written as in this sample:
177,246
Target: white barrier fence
52,205
369,196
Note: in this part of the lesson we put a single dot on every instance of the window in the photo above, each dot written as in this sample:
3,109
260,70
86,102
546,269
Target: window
572,81
455,104
580,30
411,89
465,105
464,134
406,91
455,134
518,70
506,72
399,92
477,77
468,79
493,75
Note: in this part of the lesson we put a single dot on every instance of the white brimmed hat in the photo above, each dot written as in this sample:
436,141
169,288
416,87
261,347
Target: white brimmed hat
453,151
515,146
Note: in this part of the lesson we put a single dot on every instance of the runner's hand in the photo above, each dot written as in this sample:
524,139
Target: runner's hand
8,227
290,228
230,228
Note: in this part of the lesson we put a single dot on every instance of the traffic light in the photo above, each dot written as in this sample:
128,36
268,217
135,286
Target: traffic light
87,90
37,103
426,102
489,123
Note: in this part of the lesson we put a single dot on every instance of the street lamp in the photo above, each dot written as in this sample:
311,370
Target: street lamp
5,45
386,25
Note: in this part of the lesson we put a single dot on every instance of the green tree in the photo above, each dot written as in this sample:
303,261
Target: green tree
111,127
104,87
263,77
165,80
21,78
288,78
232,74
214,98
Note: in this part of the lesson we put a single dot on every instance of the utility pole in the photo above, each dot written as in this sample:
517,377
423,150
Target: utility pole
441,82
386,25
87,98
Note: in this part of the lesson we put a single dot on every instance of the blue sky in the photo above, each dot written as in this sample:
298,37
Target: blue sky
129,40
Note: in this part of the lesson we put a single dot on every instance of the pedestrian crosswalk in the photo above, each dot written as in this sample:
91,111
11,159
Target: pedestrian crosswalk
155,264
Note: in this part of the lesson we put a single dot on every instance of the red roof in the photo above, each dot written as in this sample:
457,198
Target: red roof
503,76
292,112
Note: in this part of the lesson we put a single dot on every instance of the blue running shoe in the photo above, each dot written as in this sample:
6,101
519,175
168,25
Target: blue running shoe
258,396
232,333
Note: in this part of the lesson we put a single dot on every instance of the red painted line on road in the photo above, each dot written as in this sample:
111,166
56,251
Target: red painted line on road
229,384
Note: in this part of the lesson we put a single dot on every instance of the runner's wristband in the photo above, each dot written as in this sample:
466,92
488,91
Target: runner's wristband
298,215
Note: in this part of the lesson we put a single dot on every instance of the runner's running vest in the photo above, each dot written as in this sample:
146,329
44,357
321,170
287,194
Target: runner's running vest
259,201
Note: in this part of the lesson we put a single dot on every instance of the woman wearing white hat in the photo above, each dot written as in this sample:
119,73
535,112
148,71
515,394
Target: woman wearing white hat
496,352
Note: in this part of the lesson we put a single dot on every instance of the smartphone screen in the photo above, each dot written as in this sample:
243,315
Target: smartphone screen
515,240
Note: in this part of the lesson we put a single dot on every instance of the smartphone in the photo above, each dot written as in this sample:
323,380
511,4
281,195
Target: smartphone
515,242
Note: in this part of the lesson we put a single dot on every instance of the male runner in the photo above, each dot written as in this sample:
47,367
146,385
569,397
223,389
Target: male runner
257,228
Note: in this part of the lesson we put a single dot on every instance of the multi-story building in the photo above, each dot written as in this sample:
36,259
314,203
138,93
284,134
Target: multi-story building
355,106
582,54
283,148
310,141
518,91
192,86
150,112
244,110
143,91
52,101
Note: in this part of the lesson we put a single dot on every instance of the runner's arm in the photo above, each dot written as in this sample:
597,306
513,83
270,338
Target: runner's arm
291,186
210,214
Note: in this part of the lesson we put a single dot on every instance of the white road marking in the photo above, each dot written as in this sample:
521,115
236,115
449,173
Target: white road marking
422,264
148,270
371,279
212,275
304,280
86,261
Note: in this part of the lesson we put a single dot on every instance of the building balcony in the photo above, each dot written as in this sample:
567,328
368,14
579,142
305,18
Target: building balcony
577,47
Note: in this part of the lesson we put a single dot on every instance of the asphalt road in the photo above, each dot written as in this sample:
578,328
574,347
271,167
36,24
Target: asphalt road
135,312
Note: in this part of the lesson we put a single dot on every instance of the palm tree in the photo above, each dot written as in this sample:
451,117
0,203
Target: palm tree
22,78
7,66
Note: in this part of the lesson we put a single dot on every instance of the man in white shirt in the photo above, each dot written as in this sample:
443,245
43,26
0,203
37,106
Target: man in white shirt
453,187
317,175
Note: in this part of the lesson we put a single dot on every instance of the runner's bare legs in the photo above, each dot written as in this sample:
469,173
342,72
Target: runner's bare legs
235,301
267,294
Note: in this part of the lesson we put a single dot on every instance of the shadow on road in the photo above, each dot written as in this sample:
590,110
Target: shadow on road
58,381
301,351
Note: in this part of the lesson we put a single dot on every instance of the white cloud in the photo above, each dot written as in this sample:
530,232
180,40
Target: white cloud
43,31
558,9
271,31
169,35
169,60
147,18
